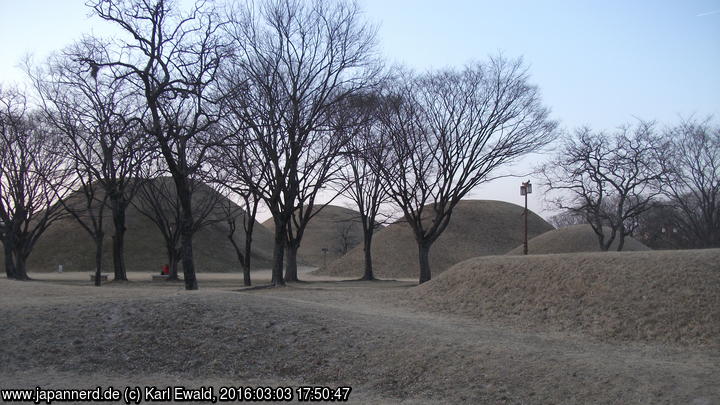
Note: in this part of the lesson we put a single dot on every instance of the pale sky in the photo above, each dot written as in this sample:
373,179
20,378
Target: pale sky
597,63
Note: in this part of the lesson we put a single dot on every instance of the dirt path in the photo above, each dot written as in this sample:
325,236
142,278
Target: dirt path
325,333
558,366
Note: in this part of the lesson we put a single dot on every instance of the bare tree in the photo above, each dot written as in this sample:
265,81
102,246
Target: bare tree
158,200
567,218
314,171
295,63
228,168
173,60
659,228
236,170
448,131
246,216
344,230
607,179
99,117
30,171
362,183
692,181
87,205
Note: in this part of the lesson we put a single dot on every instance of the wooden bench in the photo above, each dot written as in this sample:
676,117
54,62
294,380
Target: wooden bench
160,277
103,277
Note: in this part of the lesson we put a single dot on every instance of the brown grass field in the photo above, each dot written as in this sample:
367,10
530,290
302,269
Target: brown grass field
589,328
572,239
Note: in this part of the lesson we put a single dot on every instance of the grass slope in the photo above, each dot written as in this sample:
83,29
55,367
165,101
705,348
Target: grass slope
659,296
477,227
571,239
334,228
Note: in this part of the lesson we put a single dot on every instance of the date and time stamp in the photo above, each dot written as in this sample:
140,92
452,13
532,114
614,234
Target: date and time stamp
148,394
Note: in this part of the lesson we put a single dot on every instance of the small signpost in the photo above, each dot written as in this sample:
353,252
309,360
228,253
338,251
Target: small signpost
324,250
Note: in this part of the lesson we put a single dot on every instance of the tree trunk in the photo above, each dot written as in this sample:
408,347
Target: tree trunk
118,239
98,257
117,266
9,262
174,261
244,259
278,253
367,249
424,258
186,234
246,262
603,242
187,256
20,270
609,240
621,242
250,225
291,267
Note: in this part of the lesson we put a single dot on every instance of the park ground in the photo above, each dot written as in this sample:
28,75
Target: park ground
59,331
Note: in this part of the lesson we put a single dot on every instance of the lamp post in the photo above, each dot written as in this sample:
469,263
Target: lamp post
525,189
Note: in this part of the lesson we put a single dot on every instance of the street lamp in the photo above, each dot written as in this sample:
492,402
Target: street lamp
525,189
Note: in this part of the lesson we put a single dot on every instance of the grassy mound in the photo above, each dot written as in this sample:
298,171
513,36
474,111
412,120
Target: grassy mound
334,228
67,243
571,239
660,296
477,227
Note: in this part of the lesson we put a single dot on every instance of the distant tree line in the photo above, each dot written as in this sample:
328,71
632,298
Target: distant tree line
659,186
287,104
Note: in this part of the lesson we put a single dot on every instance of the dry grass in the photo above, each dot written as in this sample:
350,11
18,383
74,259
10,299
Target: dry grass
571,239
67,243
360,334
654,296
477,228
334,228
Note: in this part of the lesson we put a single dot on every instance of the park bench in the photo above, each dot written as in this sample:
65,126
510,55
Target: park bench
103,277
160,277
